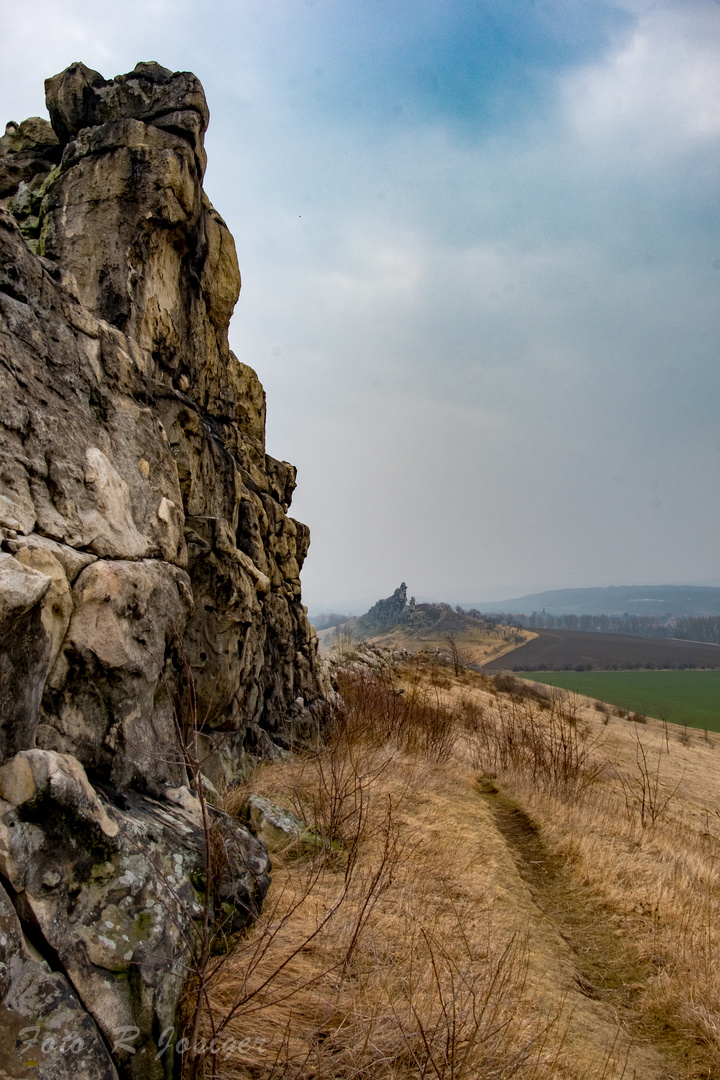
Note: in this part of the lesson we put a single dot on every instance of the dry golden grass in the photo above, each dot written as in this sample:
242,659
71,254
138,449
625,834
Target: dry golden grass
655,884
477,643
415,971
439,934
658,884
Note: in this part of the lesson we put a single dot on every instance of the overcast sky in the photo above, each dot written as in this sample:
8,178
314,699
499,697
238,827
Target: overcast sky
481,270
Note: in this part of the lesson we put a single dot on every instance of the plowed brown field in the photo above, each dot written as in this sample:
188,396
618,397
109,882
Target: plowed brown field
562,650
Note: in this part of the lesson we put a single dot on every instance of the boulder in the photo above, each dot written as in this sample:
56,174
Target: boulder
72,561
111,698
45,1032
278,828
110,886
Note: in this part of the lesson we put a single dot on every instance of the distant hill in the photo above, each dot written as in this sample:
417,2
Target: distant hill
655,600
398,623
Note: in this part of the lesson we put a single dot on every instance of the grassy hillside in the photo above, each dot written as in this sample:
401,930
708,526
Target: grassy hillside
505,883
683,697
475,641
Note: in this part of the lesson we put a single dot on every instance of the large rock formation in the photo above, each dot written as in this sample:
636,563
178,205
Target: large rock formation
148,560
385,614
133,472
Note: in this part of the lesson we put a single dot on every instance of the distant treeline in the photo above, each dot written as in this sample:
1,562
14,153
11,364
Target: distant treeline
705,628
328,619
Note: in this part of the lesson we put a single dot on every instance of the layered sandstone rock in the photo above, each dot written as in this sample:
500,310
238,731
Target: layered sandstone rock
133,472
148,559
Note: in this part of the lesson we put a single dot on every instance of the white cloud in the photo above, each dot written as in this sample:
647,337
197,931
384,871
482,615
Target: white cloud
42,38
660,92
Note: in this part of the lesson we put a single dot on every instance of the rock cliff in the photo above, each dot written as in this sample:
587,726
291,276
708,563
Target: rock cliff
148,559
385,614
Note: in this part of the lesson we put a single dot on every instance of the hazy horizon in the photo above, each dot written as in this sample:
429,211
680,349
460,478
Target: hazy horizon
358,605
481,263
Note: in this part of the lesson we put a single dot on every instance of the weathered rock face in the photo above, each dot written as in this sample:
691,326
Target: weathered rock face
41,1016
133,473
106,890
146,549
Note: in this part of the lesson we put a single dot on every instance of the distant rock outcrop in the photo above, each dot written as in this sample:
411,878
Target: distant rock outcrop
145,534
384,615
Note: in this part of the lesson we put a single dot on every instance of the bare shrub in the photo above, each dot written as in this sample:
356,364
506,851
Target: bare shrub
415,722
646,794
454,1009
604,710
505,683
551,749
471,714
331,792
684,736
520,689
345,641
458,656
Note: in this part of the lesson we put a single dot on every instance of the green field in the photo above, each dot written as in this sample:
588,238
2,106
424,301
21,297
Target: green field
683,697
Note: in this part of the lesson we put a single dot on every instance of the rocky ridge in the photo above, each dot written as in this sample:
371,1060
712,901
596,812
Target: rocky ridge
148,560
386,613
